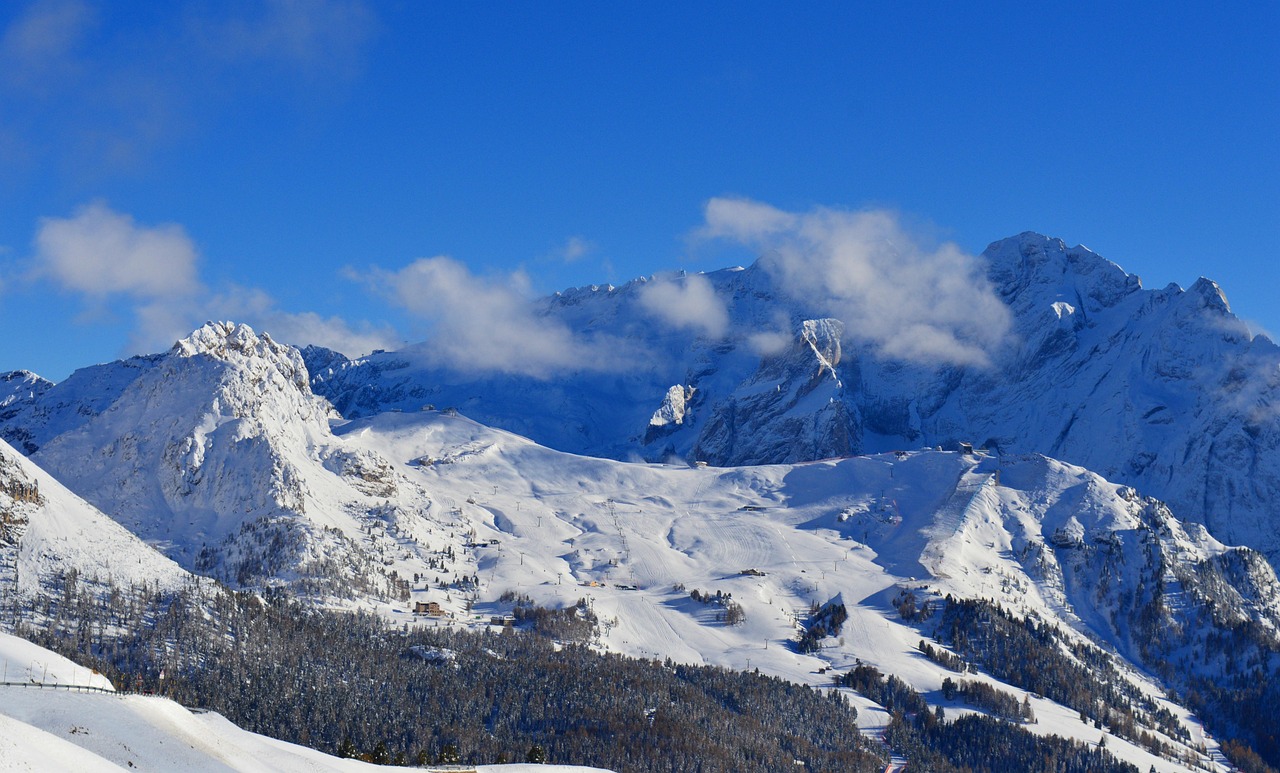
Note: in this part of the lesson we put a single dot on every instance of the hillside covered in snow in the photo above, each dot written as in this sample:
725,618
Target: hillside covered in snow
1067,532
1162,389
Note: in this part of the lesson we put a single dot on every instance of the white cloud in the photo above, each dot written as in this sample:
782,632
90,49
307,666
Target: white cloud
484,324
908,300
773,339
105,255
258,309
308,36
744,220
100,252
686,302
159,323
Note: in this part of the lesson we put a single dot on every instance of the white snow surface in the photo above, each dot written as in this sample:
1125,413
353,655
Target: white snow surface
218,453
61,532
635,539
1162,389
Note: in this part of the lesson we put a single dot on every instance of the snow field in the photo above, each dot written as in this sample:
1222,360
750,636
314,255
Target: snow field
635,539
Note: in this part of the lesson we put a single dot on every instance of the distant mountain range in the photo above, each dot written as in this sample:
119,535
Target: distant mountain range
1164,390
1107,475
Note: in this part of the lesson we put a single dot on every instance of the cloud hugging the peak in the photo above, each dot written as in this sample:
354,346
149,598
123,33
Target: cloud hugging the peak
908,300
482,324
688,302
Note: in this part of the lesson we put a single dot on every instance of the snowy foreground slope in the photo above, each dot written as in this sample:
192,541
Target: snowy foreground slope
55,728
1162,389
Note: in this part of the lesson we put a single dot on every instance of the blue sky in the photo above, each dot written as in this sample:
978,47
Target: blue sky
287,163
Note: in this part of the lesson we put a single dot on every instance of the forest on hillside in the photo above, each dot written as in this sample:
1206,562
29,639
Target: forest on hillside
350,684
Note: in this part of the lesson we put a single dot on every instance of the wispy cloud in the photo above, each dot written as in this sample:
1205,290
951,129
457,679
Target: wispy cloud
688,302
575,248
311,37
261,311
104,255
481,324
774,338
43,42
101,97
906,299
744,220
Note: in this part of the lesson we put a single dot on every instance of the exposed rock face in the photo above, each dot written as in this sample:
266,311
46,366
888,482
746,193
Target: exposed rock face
669,417
1161,389
791,410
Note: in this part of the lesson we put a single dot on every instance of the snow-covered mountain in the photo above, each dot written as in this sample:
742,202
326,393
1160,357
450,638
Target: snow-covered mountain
1164,390
48,533
1047,541
217,453
220,454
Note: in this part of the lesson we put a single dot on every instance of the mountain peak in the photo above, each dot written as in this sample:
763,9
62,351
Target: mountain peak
1210,294
19,385
1031,260
219,338
237,344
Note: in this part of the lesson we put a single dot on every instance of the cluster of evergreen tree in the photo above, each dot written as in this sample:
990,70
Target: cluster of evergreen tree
576,623
943,658
1041,659
731,612
995,702
972,744
824,621
890,692
349,684
978,744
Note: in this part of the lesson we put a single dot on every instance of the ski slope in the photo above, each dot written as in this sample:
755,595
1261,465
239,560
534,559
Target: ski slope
634,539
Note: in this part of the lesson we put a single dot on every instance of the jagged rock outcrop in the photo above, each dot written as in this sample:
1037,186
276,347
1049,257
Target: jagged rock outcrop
792,409
671,415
